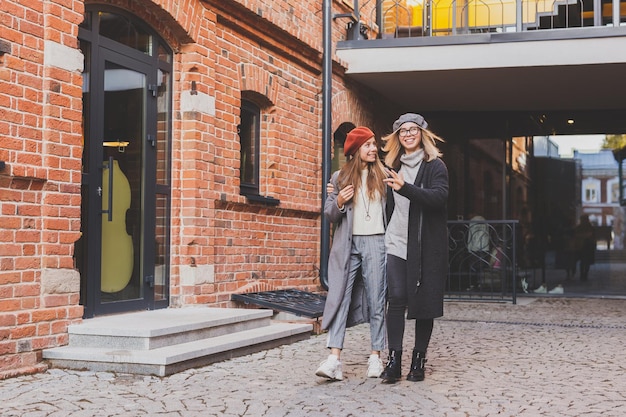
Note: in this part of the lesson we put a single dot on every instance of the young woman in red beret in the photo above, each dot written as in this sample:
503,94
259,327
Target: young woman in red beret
356,263
416,239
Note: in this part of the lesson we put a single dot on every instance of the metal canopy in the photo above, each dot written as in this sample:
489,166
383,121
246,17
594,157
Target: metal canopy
501,84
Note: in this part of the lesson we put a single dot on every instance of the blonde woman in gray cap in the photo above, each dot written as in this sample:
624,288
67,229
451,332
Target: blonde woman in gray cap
356,205
416,239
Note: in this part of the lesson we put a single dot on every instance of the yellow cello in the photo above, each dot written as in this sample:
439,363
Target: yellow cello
117,244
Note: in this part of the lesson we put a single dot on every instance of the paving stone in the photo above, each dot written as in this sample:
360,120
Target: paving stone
541,357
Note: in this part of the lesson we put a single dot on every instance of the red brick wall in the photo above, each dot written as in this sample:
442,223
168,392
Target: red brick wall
220,242
214,225
248,242
40,134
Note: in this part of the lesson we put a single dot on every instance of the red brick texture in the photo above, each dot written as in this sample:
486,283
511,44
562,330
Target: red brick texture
268,49
40,133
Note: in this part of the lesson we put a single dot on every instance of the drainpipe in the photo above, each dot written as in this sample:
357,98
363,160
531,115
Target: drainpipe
326,137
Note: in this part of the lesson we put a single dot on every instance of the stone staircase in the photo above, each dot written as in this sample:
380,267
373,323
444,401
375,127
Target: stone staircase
163,342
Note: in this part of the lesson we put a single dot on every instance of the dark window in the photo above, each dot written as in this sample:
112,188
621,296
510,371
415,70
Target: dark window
124,30
249,137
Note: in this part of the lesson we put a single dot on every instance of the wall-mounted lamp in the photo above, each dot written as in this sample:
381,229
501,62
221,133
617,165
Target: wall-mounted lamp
357,30
194,90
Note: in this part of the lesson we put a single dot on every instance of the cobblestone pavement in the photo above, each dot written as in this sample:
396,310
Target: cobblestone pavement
545,356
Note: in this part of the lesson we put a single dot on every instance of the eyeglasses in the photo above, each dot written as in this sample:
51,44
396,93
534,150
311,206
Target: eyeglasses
413,131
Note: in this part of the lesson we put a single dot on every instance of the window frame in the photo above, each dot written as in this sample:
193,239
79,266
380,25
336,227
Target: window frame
591,185
250,115
612,191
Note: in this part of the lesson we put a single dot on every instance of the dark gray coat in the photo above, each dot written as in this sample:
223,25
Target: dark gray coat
427,251
339,264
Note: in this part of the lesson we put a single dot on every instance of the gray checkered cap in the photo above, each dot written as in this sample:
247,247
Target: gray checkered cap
418,119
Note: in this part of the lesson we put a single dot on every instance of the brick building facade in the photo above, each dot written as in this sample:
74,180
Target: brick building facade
211,239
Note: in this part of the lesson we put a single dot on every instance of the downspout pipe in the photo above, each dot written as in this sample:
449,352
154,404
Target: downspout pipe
326,137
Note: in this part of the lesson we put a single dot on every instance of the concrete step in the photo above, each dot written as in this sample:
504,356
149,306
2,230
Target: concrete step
159,328
163,342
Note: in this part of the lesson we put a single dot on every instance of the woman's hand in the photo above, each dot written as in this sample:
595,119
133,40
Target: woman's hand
395,180
345,195
329,188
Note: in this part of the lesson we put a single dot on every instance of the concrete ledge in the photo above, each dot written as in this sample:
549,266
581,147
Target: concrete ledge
165,321
167,360
284,317
155,329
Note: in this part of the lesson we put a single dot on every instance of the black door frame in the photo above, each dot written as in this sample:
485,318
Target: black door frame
101,50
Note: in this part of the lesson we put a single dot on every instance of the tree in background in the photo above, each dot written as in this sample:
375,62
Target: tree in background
614,142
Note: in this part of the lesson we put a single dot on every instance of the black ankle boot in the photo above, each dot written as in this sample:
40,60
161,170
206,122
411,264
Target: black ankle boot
393,370
417,366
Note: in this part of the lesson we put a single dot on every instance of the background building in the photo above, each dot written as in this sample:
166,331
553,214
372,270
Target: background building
600,196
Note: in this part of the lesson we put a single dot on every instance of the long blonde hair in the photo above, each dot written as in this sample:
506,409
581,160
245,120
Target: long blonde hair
393,148
350,173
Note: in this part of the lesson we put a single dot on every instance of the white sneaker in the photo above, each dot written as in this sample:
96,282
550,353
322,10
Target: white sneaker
525,285
541,290
556,290
330,368
374,366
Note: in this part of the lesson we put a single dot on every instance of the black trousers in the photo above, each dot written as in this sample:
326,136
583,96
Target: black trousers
396,308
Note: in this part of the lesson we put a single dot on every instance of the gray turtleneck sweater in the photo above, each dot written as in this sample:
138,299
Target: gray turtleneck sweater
397,234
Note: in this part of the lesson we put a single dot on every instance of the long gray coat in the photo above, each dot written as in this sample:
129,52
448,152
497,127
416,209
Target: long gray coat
427,251
339,264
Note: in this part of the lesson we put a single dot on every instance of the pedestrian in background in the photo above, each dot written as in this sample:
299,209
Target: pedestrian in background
356,263
586,245
416,239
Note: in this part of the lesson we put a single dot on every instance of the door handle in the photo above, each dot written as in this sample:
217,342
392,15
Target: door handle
149,280
109,211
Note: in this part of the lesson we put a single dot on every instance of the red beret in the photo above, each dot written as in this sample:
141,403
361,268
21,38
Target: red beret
356,137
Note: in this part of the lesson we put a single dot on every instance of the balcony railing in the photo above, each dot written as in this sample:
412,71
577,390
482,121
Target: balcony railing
483,260
425,18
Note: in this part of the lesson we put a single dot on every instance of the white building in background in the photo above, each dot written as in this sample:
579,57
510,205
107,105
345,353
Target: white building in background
600,195
543,146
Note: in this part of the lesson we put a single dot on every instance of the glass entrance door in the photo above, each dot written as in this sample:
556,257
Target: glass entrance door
123,255
122,190
118,186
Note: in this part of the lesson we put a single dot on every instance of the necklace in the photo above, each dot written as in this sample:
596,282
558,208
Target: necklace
366,204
